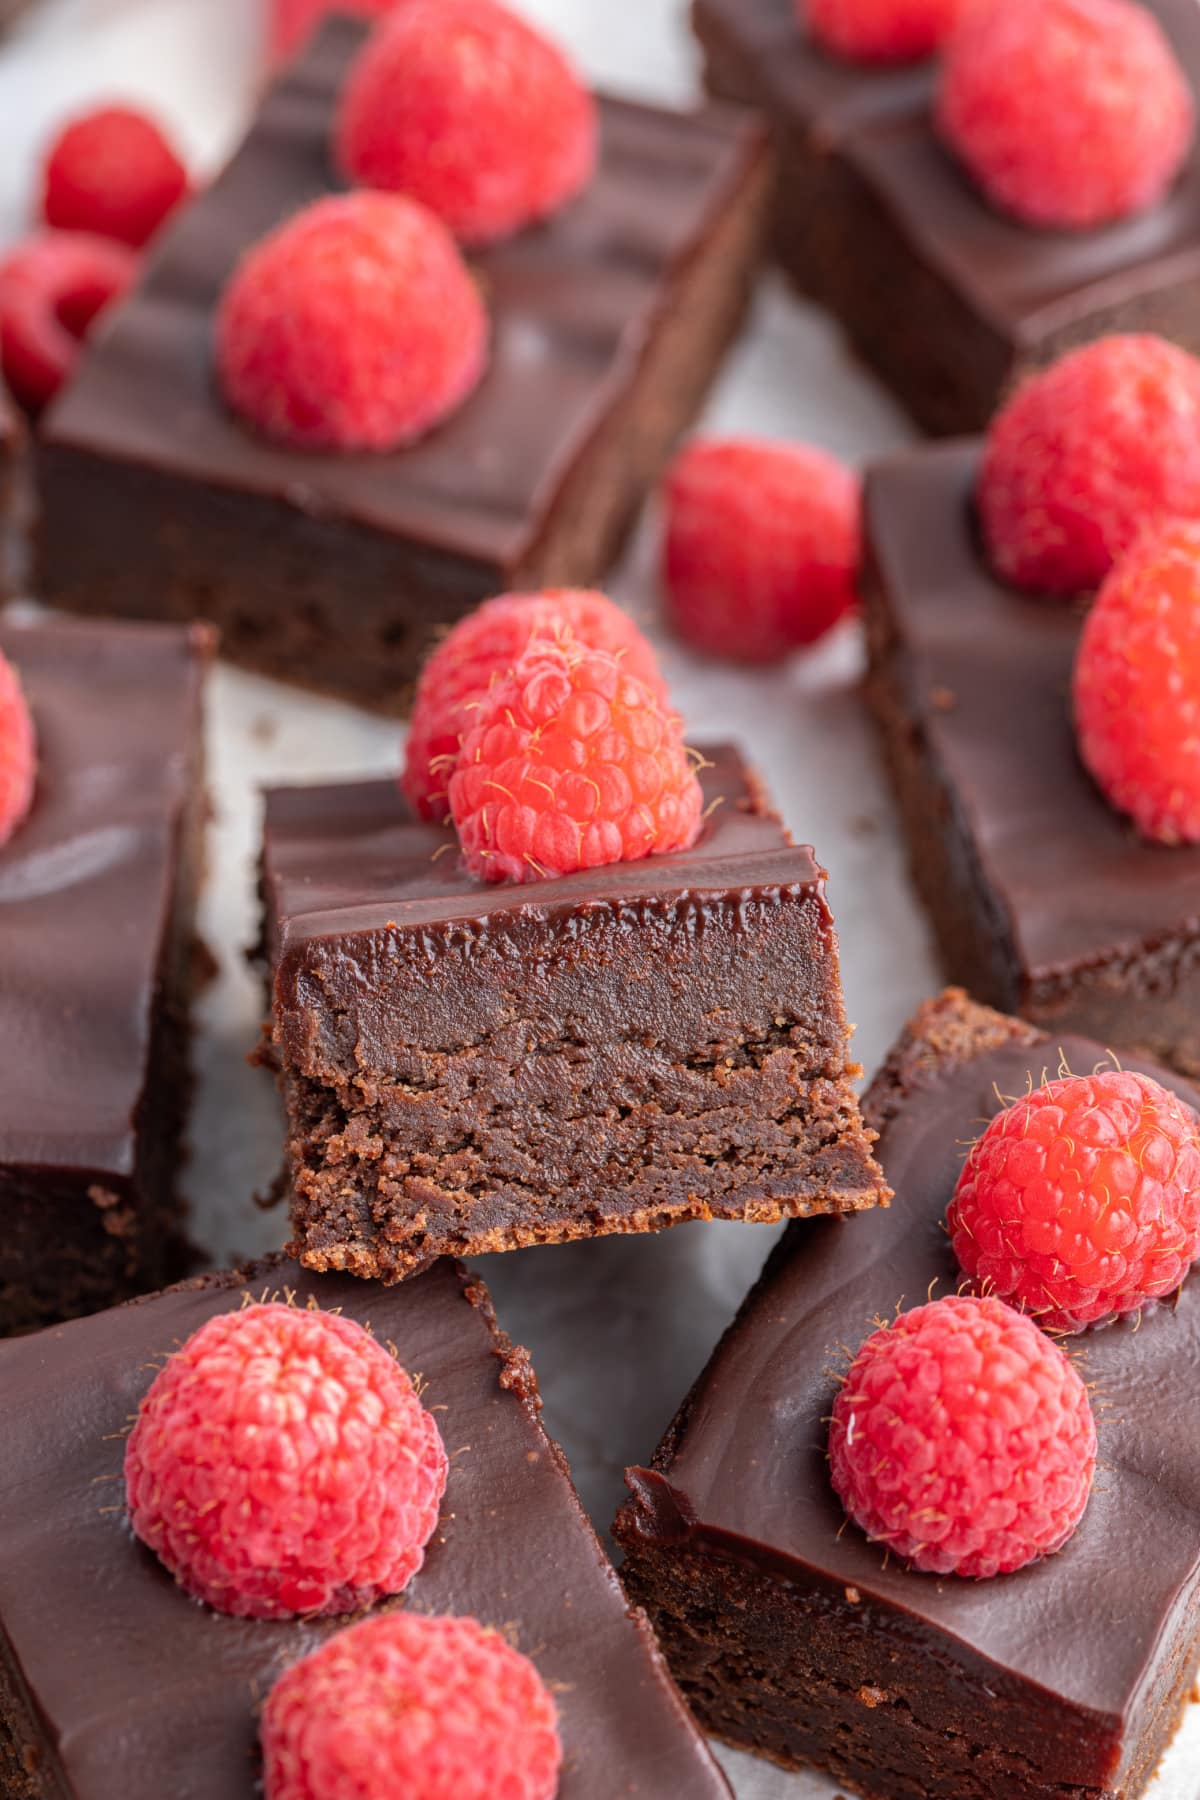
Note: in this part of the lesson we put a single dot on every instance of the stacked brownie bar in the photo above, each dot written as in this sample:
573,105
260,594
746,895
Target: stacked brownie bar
97,964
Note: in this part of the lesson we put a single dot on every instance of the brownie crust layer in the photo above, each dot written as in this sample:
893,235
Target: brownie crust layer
339,571
795,1638
471,1068
1044,900
98,962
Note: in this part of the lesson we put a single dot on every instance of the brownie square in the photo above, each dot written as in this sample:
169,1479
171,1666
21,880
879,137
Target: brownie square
338,570
950,300
1044,899
97,964
794,1637
470,1067
114,1685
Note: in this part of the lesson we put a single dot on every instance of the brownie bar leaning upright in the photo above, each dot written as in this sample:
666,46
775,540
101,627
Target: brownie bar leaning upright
793,1636
470,1067
607,324
97,964
116,1685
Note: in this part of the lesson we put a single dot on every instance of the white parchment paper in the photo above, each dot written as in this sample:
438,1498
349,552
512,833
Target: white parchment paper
618,1329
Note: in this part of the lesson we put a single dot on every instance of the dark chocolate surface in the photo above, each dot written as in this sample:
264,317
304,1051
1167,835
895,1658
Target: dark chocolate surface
350,858
87,880
144,1694
570,302
987,671
746,1469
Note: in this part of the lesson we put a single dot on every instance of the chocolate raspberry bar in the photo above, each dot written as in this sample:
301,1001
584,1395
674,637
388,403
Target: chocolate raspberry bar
794,1637
1043,898
97,964
150,1693
338,570
474,1067
947,298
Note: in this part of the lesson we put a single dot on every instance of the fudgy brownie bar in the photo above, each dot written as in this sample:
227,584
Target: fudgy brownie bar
1044,899
337,571
947,298
470,1067
792,1636
114,1685
97,964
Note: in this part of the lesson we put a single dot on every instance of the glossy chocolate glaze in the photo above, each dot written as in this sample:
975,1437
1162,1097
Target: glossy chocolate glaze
87,883
571,304
140,1693
984,671
1066,1663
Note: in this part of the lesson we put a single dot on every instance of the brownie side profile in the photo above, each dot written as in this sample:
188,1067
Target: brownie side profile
338,571
11,442
795,1638
1044,900
115,1685
470,1067
97,965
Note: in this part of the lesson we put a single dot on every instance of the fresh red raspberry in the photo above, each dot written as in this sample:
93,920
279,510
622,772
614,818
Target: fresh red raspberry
880,31
467,108
293,21
487,643
18,752
1066,112
1137,685
115,173
428,1708
571,763
354,326
282,1463
1081,1201
53,286
1085,455
963,1439
762,546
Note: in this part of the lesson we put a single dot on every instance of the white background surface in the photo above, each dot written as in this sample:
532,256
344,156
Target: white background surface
617,1328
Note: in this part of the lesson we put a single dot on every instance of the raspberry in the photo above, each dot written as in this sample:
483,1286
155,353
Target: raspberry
762,546
293,21
53,286
467,108
18,752
354,326
1081,1201
571,763
282,1463
880,31
488,642
413,1706
112,172
1087,453
1137,686
1066,112
963,1439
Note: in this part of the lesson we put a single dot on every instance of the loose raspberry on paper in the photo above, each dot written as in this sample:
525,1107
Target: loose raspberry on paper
963,1439
762,546
53,287
486,644
18,752
113,172
427,1708
294,21
282,1464
1068,113
1081,1201
471,111
1088,453
354,326
880,31
571,763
